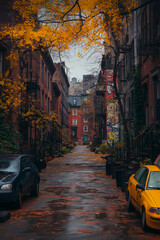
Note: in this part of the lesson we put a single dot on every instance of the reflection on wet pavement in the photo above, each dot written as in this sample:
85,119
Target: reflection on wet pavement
77,201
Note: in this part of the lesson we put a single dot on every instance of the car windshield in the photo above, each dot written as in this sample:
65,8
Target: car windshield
9,165
154,180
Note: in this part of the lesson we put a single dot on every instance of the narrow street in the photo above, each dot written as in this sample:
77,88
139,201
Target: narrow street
76,201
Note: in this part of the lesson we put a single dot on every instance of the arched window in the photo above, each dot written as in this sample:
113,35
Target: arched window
74,101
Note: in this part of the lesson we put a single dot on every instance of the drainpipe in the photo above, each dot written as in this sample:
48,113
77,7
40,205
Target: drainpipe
135,40
30,79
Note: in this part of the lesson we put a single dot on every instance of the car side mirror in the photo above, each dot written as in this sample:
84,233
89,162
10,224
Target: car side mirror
140,186
27,169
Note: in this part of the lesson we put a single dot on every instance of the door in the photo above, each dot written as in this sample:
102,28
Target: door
139,191
74,133
85,138
134,182
27,174
156,98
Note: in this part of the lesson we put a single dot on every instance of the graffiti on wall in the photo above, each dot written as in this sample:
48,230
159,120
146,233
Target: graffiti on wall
112,121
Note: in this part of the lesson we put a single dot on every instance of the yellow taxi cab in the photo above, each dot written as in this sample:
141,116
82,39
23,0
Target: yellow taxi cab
144,195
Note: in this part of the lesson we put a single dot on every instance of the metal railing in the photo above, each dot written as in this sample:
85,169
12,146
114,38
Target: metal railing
147,143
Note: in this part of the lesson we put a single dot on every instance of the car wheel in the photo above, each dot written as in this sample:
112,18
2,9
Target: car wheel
130,206
35,192
144,224
19,200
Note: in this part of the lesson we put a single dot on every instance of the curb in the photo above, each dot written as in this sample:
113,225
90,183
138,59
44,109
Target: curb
4,216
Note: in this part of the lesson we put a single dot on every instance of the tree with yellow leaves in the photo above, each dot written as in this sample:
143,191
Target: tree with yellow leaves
38,118
55,25
10,97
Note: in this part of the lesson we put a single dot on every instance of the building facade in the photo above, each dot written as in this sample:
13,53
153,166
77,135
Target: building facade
139,79
45,93
75,118
82,93
60,81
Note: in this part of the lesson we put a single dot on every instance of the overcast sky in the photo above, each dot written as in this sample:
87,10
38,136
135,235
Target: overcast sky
89,64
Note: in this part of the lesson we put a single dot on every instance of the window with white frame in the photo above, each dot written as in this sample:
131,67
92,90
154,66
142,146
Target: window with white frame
85,120
74,112
74,121
85,128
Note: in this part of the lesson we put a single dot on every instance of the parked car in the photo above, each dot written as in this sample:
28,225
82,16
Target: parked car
144,195
18,177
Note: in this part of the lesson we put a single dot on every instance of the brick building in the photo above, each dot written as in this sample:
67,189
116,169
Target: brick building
60,79
87,117
84,122
37,68
75,118
139,79
39,87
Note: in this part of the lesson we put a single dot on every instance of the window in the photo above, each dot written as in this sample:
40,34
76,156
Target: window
146,106
46,103
158,101
144,177
74,122
157,19
42,71
85,128
46,76
74,133
85,120
0,62
26,162
154,180
156,98
42,99
139,174
74,112
48,80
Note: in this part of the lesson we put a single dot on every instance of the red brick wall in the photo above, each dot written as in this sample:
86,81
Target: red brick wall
78,118
57,78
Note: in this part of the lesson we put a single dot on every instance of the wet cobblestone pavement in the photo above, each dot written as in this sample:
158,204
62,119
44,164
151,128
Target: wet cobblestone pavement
77,201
